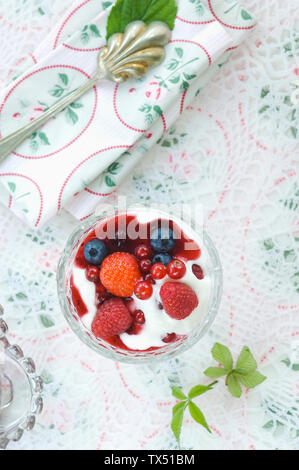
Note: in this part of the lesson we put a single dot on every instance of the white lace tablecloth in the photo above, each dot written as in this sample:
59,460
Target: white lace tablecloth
237,148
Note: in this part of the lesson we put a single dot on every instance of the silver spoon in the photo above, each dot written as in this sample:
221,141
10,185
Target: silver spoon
126,55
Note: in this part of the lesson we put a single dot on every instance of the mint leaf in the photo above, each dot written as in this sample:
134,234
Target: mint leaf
197,415
246,362
251,379
200,389
126,11
222,355
234,386
177,419
177,393
214,372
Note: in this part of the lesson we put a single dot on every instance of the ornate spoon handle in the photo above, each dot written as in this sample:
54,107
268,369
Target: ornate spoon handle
9,143
126,55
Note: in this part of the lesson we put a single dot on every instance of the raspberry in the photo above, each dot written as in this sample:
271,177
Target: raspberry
119,274
113,318
178,299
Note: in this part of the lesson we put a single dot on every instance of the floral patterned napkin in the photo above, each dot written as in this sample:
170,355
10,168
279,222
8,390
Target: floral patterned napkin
80,157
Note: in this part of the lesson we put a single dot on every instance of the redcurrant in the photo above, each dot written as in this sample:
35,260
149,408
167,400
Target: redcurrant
143,290
158,271
139,317
176,269
145,265
142,251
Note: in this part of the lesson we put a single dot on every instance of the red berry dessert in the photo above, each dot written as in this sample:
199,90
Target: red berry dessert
141,290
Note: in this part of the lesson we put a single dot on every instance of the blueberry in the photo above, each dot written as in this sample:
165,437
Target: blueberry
95,251
163,258
162,239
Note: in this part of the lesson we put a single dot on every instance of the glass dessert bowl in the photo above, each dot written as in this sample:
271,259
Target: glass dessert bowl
139,285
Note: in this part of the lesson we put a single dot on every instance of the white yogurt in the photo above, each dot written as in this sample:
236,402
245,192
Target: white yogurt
157,323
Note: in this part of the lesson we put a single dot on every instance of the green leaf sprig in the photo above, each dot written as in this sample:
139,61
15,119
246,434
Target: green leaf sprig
244,373
126,11
187,401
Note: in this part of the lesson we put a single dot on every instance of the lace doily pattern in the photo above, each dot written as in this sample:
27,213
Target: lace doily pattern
236,150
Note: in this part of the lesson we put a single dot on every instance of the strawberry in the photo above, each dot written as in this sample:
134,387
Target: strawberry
119,274
113,318
178,299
